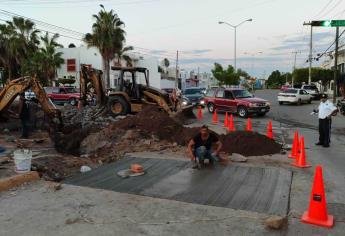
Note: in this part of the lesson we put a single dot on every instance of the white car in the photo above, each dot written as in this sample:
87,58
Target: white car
297,96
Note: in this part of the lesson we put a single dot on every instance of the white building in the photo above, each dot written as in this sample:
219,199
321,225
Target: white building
73,57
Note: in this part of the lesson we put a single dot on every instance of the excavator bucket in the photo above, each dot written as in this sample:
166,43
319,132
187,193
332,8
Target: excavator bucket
184,115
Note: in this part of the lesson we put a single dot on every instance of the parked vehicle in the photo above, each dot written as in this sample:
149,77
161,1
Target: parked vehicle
312,90
235,100
194,96
62,95
297,96
29,95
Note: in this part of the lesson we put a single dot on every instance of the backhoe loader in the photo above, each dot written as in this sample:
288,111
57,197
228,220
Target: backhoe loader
18,86
130,96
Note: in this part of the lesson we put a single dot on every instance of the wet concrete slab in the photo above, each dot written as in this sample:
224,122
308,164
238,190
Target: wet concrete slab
264,190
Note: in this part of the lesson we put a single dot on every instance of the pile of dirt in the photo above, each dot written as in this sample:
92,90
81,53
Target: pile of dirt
152,121
249,144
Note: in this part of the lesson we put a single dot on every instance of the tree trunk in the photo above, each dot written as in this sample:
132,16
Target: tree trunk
107,72
105,80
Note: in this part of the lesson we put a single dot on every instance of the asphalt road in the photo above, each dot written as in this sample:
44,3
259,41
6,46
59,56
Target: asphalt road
297,115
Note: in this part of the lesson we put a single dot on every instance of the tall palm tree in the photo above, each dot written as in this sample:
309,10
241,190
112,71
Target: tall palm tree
108,36
51,59
122,55
18,40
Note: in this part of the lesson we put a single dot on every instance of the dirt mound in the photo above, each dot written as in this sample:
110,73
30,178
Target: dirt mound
152,121
249,144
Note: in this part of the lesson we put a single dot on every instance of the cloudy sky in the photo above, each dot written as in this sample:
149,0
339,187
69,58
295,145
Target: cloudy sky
161,27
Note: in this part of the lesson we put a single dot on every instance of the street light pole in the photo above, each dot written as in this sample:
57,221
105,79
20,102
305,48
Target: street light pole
235,29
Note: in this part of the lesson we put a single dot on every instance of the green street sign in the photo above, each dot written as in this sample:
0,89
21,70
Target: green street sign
328,23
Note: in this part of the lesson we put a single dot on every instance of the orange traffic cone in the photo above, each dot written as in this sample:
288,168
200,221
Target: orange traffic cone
249,125
317,212
270,130
199,113
226,120
301,157
231,126
215,117
295,148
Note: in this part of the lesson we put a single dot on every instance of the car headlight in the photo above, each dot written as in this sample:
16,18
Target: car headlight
184,103
268,104
202,102
252,105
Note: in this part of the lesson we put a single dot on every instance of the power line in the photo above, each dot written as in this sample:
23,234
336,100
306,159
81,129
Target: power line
324,8
336,4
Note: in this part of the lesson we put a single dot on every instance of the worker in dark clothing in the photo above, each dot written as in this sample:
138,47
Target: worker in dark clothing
200,147
326,111
24,115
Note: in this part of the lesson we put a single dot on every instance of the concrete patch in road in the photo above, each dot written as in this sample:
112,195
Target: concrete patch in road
264,190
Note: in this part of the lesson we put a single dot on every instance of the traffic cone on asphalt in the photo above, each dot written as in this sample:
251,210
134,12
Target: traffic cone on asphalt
270,130
226,120
231,126
199,113
295,148
301,157
317,212
249,125
215,117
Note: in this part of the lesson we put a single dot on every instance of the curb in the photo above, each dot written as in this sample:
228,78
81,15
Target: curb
14,181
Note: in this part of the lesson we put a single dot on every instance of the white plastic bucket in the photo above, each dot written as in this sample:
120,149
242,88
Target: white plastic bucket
22,160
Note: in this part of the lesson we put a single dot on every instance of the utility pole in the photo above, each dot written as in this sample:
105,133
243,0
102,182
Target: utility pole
294,66
176,77
310,50
335,66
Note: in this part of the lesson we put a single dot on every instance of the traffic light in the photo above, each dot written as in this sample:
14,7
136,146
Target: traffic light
328,23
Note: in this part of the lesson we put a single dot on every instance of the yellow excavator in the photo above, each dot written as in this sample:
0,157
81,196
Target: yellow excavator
130,95
20,85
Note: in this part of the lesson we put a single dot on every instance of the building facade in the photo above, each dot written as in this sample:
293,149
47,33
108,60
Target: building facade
74,57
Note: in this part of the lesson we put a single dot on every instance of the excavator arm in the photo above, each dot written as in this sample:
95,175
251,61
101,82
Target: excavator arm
18,86
93,76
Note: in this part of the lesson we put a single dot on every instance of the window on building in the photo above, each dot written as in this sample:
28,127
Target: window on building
71,65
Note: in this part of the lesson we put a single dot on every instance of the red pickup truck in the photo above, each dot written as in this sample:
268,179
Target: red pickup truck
235,100
62,95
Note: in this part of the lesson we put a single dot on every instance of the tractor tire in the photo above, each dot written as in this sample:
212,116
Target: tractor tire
118,106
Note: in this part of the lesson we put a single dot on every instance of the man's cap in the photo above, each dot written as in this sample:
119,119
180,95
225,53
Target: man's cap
324,95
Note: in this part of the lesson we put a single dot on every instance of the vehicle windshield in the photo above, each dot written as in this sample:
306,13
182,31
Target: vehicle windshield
242,94
192,91
71,90
290,91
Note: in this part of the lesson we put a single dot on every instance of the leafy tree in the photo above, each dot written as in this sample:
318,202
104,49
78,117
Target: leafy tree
225,77
301,75
108,36
166,64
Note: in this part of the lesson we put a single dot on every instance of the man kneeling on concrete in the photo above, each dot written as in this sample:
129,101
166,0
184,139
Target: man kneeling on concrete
200,147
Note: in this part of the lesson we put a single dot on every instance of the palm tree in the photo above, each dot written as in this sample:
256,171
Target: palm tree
18,40
122,55
51,59
108,36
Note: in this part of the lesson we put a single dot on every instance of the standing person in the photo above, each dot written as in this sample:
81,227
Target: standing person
24,115
326,111
200,147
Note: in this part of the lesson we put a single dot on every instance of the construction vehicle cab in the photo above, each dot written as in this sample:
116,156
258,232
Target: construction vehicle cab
130,94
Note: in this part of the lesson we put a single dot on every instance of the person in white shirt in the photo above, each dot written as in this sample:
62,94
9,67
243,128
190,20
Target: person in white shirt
326,111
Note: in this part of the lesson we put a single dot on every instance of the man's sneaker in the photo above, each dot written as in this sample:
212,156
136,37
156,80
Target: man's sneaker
318,144
326,145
